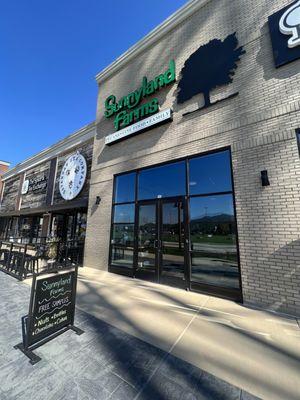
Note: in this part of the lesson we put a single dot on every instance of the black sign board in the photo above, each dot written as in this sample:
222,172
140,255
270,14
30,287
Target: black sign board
283,52
51,311
53,306
39,183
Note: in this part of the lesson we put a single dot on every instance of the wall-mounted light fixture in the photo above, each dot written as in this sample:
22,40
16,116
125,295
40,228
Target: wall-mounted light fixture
98,200
264,178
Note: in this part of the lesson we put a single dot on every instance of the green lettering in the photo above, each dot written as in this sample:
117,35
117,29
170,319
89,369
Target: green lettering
153,106
110,106
122,103
119,119
132,100
150,88
159,81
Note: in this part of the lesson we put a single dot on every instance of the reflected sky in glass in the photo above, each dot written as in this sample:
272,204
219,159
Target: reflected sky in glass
125,188
124,214
210,173
164,181
211,206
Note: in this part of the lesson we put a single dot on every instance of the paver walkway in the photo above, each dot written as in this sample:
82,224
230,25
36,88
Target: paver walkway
103,363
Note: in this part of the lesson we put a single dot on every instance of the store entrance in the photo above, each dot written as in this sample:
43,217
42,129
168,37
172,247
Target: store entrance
68,225
162,241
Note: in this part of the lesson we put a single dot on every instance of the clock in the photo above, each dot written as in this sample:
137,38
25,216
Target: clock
72,176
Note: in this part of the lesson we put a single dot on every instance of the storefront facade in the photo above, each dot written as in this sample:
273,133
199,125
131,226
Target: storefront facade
203,194
46,196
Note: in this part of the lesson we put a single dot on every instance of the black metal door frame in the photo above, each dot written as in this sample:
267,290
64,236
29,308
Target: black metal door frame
158,242
136,272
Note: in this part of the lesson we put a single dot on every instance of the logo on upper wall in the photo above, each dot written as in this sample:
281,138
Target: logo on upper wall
135,113
285,34
209,67
289,24
25,187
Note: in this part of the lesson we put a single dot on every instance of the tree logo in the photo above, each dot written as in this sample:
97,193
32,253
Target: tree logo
209,67
289,24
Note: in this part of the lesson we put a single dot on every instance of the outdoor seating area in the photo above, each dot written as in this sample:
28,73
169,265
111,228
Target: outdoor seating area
22,260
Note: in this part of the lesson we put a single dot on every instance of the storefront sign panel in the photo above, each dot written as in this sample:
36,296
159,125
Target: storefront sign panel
128,109
285,34
140,126
53,305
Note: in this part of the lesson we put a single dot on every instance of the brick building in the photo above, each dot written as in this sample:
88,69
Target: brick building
47,194
195,175
170,209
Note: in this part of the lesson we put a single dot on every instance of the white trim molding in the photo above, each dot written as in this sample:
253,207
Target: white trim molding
170,23
7,164
75,139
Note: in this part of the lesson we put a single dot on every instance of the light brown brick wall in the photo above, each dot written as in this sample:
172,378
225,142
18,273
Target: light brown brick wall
259,125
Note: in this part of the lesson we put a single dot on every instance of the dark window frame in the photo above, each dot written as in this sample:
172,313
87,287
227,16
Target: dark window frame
125,270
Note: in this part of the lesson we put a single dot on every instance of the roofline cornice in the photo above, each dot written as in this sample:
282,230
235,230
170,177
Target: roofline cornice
7,164
78,137
152,37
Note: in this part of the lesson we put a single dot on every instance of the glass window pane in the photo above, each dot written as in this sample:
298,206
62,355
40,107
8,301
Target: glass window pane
123,234
213,241
122,241
124,213
147,238
122,244
125,188
122,256
210,174
164,181
172,240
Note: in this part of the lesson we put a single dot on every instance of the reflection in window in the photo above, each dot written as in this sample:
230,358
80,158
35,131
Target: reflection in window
124,213
3,227
164,181
210,174
125,188
213,241
172,239
122,240
147,231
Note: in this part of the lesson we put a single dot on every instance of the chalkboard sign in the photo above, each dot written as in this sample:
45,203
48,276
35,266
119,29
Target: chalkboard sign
52,305
51,311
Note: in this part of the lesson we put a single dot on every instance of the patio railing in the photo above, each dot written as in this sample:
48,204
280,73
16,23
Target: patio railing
23,260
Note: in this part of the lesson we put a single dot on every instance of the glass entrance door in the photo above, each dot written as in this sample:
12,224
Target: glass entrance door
147,246
161,245
172,242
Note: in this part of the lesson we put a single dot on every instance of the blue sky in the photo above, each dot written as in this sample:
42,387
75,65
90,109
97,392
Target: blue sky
50,52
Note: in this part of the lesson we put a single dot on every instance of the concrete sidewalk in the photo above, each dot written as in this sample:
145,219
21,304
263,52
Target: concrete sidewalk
255,350
104,363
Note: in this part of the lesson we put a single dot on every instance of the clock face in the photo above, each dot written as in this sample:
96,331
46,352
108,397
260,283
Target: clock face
72,177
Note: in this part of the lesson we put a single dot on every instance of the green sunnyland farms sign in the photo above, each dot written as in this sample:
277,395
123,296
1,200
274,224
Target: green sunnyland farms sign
128,110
